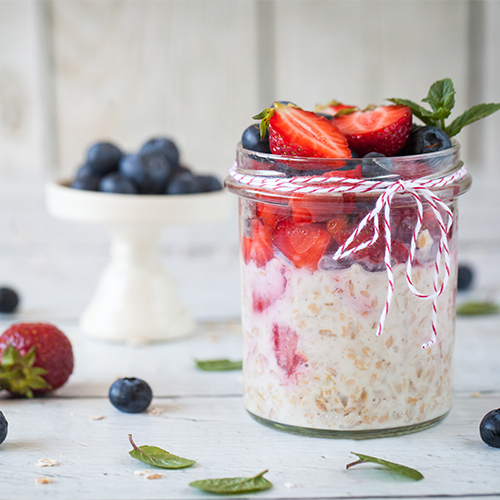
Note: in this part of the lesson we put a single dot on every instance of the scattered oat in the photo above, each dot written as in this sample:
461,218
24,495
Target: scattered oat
46,462
96,417
476,394
154,476
142,473
43,480
155,411
289,485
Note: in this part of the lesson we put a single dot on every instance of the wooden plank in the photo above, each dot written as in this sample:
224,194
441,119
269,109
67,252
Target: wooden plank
128,70
217,433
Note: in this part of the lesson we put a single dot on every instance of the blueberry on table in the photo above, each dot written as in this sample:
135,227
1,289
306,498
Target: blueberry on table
130,395
184,183
3,427
148,171
465,277
427,139
162,145
490,428
87,183
251,140
9,300
117,183
103,158
209,183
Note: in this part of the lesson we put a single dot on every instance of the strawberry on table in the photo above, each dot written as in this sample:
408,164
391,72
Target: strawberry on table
35,358
302,244
295,132
382,129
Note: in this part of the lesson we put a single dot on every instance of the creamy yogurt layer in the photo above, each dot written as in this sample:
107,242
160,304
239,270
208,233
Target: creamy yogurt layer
313,359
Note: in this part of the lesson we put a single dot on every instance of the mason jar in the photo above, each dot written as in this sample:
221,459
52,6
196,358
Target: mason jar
348,273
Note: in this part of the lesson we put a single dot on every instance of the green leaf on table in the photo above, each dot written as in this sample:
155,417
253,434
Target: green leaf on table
402,469
230,485
218,365
470,116
157,457
420,112
477,308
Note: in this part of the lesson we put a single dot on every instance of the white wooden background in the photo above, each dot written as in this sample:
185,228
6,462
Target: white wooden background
73,71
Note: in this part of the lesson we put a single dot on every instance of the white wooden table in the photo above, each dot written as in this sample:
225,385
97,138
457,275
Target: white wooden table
202,418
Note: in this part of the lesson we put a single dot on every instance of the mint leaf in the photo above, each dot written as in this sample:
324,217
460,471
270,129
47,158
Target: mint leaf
218,365
402,469
421,113
441,96
230,485
470,116
477,308
157,457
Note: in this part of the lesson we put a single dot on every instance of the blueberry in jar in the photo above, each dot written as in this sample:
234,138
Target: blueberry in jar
162,145
150,172
87,183
3,427
428,139
9,300
103,158
375,168
490,428
117,183
251,139
130,395
184,183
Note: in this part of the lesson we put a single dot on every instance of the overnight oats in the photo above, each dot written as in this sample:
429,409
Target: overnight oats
348,269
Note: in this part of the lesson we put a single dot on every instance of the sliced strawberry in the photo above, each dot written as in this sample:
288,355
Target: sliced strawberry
303,244
272,214
333,107
285,348
267,287
295,132
258,247
353,173
382,130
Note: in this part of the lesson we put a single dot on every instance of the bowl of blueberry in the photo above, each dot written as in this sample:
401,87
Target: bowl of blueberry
135,195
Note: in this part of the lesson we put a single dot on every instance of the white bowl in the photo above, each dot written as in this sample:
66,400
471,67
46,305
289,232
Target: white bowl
135,300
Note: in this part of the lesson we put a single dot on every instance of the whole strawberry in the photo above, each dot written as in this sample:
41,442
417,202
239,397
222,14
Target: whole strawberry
34,358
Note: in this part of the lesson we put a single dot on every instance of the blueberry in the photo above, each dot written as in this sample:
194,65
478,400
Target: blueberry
86,171
353,153
371,168
490,428
325,115
103,158
250,139
117,183
179,169
9,300
374,154
427,139
209,183
465,277
3,427
88,183
130,395
148,171
164,146
184,183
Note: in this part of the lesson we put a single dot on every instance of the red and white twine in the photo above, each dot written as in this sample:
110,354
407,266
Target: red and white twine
419,189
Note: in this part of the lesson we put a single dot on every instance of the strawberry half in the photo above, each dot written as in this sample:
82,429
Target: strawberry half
303,244
258,247
299,133
35,358
285,348
381,130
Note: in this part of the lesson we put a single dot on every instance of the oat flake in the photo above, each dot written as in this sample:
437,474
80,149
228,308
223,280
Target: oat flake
96,417
46,462
43,480
154,476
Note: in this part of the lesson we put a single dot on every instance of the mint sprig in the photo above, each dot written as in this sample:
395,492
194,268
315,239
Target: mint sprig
218,365
231,485
401,469
441,98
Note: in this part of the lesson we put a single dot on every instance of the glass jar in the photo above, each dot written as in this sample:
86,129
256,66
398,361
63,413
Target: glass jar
334,329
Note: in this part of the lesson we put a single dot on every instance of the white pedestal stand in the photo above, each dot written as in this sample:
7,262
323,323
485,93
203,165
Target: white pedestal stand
135,300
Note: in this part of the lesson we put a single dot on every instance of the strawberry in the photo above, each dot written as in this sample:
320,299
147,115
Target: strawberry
35,358
295,132
334,107
258,247
303,244
285,346
272,214
267,287
383,129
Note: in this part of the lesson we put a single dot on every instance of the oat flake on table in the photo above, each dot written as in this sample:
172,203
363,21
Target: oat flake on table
154,476
96,417
46,462
43,480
